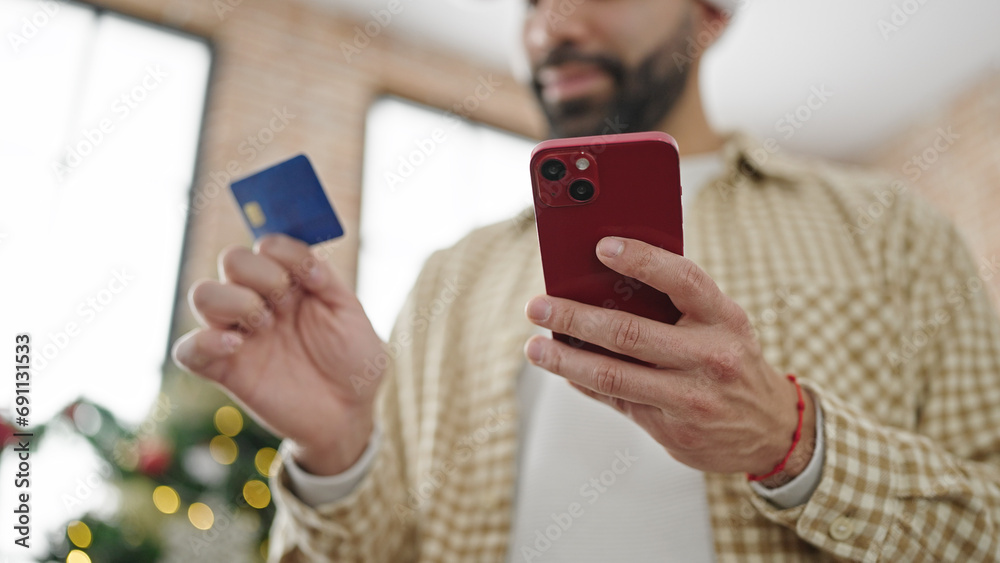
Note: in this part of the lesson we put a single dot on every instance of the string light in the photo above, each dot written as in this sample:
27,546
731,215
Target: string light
77,556
256,493
228,421
166,499
223,449
262,461
79,533
201,515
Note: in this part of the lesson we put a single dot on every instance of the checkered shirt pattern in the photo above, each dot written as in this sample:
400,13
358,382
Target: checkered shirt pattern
860,289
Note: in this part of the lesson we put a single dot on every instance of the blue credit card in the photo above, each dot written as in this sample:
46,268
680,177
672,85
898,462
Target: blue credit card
287,198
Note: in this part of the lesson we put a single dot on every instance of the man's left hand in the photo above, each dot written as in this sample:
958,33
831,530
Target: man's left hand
712,400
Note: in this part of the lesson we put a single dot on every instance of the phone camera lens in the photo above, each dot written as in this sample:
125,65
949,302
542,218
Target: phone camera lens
581,190
553,169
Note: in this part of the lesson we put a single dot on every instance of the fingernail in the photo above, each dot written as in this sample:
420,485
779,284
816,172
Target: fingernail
539,309
534,350
230,342
610,246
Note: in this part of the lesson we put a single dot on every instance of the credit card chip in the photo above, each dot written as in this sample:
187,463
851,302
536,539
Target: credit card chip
254,214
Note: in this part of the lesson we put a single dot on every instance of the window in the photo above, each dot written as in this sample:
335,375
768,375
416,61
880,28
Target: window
429,178
102,120
102,116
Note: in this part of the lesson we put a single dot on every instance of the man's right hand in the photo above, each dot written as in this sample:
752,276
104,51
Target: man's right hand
283,335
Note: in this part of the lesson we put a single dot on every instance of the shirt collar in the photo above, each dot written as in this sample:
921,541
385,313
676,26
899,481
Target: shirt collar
758,159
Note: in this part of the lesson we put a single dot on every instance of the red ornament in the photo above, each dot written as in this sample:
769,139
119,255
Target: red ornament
6,433
155,455
70,409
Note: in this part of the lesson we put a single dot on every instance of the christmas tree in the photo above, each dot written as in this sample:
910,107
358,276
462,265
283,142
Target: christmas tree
192,480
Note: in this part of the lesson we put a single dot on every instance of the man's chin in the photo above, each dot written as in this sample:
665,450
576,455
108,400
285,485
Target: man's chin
577,126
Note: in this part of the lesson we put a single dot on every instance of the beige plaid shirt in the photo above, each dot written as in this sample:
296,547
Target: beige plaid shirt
863,291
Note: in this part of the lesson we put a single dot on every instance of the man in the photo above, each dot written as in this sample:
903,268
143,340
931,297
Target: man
890,450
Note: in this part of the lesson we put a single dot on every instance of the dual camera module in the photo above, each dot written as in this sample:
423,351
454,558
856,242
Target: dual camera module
580,190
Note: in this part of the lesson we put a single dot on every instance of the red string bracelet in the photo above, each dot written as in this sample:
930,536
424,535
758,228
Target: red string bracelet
801,406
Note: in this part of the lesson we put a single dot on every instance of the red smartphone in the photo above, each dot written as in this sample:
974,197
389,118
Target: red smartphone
587,188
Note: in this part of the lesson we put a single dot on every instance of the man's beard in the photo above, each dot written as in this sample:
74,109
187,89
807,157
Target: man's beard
642,97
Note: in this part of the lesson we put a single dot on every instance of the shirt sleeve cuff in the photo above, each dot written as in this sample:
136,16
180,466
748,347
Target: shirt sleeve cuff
315,490
797,491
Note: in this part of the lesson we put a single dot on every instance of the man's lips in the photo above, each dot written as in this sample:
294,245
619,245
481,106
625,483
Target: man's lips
572,80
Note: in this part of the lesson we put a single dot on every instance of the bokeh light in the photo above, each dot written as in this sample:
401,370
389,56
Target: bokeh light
201,515
228,421
79,533
263,548
262,461
256,493
223,449
166,499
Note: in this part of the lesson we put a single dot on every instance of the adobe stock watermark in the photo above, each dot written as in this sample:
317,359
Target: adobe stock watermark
413,326
462,450
590,492
260,316
566,8
86,312
562,12
224,7
408,164
86,486
626,335
923,331
914,168
250,148
696,45
425,147
899,16
793,120
30,26
364,34
230,531
801,456
91,138
783,299
612,126
126,452
787,125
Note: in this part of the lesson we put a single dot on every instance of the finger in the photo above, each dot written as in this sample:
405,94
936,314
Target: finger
602,374
206,352
316,275
638,337
617,404
647,416
692,291
240,266
227,305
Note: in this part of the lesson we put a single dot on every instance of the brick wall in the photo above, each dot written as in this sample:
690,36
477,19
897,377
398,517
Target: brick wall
287,57
963,179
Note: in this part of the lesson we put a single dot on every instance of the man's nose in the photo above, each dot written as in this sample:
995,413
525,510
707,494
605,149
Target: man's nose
556,22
